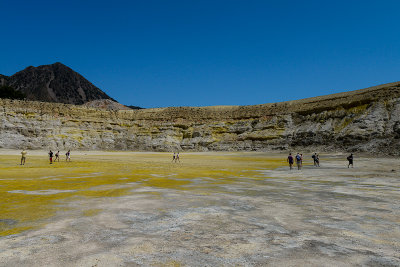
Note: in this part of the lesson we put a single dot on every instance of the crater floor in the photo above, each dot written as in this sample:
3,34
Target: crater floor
211,209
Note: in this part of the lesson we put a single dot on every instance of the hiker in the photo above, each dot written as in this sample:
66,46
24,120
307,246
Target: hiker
317,159
51,157
350,159
57,156
314,156
177,158
290,160
68,156
173,157
23,157
299,161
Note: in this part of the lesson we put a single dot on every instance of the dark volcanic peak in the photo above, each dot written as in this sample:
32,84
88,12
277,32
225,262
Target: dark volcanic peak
55,83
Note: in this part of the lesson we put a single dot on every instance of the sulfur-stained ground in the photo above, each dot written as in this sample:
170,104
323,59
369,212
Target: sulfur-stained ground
211,209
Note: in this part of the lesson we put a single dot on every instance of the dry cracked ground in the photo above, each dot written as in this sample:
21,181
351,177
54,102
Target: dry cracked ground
211,209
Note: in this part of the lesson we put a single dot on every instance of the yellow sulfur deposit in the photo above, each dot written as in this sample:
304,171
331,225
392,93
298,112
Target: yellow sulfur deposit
33,193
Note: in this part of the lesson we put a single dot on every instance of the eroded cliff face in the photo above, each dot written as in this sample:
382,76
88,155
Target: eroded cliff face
364,120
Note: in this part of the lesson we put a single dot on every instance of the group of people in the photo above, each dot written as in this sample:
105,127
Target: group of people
175,157
57,156
299,160
51,155
315,157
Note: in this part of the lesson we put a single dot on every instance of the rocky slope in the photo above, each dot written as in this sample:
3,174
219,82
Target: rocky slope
363,120
106,104
54,83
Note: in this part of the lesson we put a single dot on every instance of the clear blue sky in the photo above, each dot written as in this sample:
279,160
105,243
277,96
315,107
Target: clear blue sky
196,53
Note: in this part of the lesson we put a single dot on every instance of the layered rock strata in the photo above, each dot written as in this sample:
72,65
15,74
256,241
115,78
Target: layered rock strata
363,120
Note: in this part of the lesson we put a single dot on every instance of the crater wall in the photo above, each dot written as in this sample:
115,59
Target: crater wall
365,120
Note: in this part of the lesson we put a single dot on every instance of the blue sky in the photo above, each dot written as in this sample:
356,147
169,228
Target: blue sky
153,53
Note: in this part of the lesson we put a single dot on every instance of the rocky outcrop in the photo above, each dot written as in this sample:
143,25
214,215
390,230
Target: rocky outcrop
54,83
106,104
365,120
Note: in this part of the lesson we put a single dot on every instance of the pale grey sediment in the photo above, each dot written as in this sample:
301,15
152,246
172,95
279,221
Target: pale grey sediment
328,216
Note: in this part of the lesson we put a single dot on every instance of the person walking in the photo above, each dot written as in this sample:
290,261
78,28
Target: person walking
23,157
177,157
290,161
298,161
350,159
57,156
314,156
173,157
317,159
68,155
51,157
301,161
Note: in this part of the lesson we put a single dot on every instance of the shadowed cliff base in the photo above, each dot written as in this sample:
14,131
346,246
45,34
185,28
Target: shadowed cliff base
366,120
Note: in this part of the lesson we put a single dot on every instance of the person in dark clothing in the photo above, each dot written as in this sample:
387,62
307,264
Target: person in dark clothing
299,161
57,156
68,155
51,157
317,160
290,160
314,156
350,159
